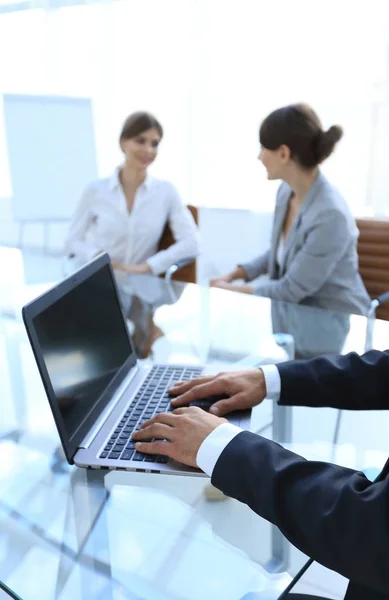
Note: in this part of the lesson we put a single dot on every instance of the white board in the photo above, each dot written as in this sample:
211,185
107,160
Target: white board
51,154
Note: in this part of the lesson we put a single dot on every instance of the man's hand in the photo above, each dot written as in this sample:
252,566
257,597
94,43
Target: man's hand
244,389
179,434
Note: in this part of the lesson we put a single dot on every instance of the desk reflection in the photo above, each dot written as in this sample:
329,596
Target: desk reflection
141,296
315,331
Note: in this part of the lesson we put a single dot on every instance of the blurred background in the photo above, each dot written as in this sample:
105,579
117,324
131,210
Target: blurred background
210,71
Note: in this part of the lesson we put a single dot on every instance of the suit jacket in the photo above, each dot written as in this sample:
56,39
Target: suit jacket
320,262
331,513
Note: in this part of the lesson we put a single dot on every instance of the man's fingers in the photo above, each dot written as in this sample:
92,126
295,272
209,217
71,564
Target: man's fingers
180,387
157,430
223,407
185,410
219,409
165,418
158,447
212,387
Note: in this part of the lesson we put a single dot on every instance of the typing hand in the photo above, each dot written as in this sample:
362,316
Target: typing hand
179,434
243,389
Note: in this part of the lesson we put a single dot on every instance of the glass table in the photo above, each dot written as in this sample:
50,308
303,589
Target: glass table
82,534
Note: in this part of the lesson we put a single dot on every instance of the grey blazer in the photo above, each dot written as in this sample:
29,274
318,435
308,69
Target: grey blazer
320,262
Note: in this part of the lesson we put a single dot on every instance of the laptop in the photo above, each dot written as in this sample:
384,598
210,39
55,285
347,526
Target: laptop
98,391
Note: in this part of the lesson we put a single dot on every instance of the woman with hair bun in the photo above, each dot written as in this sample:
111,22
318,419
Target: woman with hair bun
313,254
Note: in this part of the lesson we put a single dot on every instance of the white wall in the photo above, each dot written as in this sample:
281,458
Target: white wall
211,71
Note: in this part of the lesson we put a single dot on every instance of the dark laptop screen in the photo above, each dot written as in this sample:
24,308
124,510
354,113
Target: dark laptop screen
84,343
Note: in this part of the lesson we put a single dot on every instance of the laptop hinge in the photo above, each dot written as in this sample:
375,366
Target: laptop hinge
88,439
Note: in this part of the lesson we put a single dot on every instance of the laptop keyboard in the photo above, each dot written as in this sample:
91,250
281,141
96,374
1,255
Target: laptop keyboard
152,398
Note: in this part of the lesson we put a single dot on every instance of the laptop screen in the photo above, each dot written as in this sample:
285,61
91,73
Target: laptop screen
84,343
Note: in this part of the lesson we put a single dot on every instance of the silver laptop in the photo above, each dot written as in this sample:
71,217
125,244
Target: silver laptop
98,392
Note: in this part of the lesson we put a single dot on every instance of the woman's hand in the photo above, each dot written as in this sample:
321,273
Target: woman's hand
224,285
116,265
221,280
140,269
244,289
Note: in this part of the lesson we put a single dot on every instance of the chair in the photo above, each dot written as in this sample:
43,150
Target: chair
185,269
373,254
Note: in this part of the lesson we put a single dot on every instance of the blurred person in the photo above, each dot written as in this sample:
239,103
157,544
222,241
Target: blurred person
313,253
125,214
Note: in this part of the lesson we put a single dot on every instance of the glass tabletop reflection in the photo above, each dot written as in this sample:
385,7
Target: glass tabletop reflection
73,533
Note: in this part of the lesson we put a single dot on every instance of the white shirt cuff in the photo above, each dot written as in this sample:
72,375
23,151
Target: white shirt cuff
272,382
210,450
213,445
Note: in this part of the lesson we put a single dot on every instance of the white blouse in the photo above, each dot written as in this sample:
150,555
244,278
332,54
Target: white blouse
103,223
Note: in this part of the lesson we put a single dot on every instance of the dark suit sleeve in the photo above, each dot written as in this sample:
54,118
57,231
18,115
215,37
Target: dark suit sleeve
352,382
333,514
